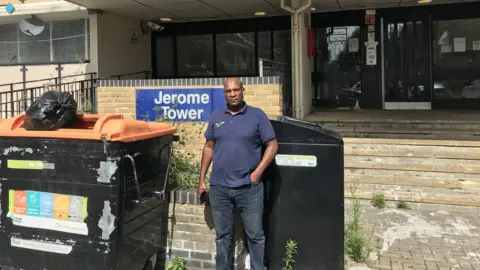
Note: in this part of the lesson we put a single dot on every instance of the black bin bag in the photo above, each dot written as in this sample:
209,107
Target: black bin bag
51,111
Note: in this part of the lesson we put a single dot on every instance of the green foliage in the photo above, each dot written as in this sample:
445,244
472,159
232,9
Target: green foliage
290,252
84,106
355,244
185,169
378,201
177,264
403,205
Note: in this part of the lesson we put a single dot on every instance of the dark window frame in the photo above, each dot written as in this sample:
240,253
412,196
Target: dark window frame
256,25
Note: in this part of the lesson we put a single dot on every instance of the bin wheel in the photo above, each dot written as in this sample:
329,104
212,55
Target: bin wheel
151,263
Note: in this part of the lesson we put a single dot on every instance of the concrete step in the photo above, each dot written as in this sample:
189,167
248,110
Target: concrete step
399,124
413,142
401,174
413,164
471,186
430,198
414,151
446,136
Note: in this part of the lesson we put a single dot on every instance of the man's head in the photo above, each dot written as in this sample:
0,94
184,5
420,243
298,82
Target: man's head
233,91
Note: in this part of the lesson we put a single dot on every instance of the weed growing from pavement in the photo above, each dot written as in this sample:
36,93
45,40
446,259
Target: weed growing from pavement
378,201
290,252
356,242
403,205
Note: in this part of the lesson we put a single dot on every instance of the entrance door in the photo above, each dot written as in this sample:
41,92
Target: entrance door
406,65
337,71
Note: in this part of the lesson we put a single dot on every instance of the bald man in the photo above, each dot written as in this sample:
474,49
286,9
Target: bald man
234,139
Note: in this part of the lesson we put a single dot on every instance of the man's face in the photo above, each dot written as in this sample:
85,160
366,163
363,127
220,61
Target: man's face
233,92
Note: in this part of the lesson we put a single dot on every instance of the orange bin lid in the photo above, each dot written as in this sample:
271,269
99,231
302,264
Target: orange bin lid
110,127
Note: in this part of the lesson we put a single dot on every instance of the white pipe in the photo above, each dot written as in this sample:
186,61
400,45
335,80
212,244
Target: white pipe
296,55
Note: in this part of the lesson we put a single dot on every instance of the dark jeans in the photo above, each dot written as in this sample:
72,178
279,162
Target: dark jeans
249,201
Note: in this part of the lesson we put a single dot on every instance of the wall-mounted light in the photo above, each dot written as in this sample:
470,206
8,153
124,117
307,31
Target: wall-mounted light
165,19
260,13
424,1
313,9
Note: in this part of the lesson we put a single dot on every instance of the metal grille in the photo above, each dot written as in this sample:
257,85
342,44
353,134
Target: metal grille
15,102
60,42
284,72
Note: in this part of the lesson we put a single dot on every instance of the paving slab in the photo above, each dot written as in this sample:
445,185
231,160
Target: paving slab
426,237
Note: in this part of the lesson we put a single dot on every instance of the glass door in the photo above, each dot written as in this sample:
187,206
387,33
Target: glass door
337,75
407,65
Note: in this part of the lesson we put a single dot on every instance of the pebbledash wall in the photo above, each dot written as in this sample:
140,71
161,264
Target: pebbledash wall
190,231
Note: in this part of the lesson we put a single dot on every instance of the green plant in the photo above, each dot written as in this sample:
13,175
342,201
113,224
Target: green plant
355,239
290,252
378,201
403,205
185,168
177,264
84,105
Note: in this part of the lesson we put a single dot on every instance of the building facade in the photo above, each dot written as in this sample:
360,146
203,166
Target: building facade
427,57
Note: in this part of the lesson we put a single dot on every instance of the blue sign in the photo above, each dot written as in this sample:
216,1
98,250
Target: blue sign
10,8
180,105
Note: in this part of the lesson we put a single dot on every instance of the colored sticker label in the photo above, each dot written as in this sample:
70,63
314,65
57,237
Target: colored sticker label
33,203
18,199
46,205
29,165
296,160
41,246
43,210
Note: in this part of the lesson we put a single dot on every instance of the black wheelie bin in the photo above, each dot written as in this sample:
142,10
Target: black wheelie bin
88,197
304,197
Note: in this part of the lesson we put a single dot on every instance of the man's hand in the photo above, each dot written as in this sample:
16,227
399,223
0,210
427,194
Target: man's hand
255,176
202,187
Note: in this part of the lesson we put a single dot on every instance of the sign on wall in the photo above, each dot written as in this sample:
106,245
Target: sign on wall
190,105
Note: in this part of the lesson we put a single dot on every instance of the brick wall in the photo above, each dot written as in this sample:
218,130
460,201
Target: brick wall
118,96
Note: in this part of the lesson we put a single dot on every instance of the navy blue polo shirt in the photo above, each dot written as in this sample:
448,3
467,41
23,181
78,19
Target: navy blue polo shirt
238,144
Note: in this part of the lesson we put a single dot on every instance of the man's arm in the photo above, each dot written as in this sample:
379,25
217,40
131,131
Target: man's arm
268,156
207,155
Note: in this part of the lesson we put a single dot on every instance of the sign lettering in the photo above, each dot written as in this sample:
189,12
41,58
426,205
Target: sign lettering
180,105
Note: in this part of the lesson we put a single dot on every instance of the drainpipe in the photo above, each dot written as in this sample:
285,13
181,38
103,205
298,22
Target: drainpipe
297,53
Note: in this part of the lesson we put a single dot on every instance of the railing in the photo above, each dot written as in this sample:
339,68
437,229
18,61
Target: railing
17,101
284,72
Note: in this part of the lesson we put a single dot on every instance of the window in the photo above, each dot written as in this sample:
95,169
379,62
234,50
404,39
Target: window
165,48
235,54
456,59
264,45
8,44
59,41
282,46
70,41
35,49
195,55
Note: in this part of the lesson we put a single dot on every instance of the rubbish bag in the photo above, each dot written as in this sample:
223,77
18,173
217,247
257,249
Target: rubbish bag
51,111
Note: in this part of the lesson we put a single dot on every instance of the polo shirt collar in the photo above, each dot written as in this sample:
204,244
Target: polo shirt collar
242,110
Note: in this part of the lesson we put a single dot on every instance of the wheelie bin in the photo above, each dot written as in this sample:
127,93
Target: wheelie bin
304,197
86,197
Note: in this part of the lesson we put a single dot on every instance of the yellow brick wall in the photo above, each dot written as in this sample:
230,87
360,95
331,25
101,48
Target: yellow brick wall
121,100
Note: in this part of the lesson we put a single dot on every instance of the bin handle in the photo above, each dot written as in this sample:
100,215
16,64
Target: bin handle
168,170
155,193
137,186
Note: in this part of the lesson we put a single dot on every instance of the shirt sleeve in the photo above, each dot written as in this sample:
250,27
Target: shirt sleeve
209,133
265,127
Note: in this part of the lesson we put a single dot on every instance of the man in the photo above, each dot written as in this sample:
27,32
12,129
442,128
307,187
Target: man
234,140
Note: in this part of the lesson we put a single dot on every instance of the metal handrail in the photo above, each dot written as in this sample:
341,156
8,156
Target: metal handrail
49,79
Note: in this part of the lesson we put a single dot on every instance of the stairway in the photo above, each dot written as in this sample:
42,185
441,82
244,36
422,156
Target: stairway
406,129
413,170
